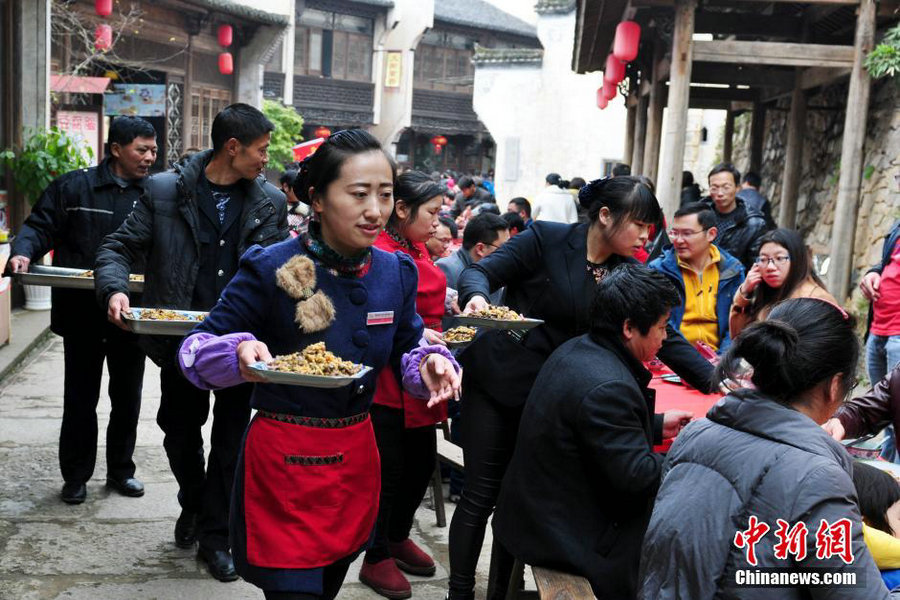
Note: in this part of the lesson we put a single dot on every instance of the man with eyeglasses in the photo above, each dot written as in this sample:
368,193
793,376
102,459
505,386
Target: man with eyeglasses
705,276
739,225
482,236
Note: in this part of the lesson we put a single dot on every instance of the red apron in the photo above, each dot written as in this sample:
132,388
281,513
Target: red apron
310,493
430,306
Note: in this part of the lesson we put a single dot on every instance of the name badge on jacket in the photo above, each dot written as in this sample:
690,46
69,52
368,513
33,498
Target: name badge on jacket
385,317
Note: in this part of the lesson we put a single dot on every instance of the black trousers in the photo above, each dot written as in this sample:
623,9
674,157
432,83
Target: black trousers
407,463
332,580
489,433
84,357
183,410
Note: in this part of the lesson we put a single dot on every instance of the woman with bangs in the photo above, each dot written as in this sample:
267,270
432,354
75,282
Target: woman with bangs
782,270
551,271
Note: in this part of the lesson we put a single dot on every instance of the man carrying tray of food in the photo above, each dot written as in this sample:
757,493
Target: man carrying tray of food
71,218
193,225
306,489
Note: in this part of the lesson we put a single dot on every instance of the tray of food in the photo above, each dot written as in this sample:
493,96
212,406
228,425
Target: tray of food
498,317
81,279
459,336
162,321
314,366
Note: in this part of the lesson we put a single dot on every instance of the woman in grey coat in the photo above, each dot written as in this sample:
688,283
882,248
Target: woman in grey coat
758,490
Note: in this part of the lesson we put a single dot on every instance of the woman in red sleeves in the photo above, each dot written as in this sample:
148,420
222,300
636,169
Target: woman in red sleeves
404,426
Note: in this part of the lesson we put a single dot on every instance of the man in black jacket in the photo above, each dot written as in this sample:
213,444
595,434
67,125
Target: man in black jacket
739,225
193,226
71,217
579,491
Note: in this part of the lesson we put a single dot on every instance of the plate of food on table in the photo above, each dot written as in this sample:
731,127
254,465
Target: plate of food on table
64,277
314,366
162,321
498,317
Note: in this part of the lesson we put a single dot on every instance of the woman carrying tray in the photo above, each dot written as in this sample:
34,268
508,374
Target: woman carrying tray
404,426
307,486
550,271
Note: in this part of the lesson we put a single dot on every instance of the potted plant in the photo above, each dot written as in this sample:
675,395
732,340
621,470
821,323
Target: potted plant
44,156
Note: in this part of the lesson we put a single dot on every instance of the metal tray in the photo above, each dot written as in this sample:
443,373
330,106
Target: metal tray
157,327
65,277
522,325
315,381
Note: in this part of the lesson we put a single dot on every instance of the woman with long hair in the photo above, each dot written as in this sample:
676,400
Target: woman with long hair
783,269
551,271
306,487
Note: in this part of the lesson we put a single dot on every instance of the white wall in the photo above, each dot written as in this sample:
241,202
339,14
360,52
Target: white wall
545,119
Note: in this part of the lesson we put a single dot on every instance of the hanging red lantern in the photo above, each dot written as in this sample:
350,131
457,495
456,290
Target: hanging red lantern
322,132
225,35
102,37
609,89
226,63
438,142
615,69
602,100
103,7
628,38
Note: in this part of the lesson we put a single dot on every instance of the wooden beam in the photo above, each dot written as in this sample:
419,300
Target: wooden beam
742,75
728,141
719,95
845,212
818,76
669,185
630,114
748,24
757,136
640,137
793,158
773,53
654,115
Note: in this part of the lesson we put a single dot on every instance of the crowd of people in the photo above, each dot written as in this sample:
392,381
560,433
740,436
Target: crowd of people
557,424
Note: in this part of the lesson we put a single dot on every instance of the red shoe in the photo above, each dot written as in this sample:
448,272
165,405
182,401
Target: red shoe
386,579
411,558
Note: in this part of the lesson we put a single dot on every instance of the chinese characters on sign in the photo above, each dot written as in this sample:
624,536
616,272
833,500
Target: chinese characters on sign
84,126
393,68
833,539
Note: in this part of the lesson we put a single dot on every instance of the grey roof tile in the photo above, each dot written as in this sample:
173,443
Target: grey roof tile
481,15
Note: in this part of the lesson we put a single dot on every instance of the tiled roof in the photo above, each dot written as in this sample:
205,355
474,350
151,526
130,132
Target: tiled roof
481,15
554,6
507,56
240,10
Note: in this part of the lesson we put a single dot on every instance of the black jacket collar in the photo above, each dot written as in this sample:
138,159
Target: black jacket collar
614,344
103,176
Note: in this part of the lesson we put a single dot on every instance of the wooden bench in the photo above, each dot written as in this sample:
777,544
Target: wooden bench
451,454
551,584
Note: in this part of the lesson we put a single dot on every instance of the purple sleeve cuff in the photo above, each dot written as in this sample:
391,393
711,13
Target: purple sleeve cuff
409,367
210,361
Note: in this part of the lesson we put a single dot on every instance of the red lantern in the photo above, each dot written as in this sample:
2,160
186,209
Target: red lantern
322,132
628,38
226,63
226,33
615,69
103,37
103,7
609,89
602,100
438,142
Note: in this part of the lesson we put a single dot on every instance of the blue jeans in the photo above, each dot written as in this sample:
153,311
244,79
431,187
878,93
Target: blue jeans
882,355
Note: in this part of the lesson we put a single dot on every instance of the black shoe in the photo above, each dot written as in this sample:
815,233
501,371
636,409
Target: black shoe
219,563
186,529
74,493
129,486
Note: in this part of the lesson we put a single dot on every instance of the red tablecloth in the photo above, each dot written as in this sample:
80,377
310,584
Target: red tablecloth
671,396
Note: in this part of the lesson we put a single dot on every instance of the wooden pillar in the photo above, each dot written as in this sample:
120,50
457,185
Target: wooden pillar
845,211
187,118
728,142
640,137
757,136
629,133
668,188
793,158
654,117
